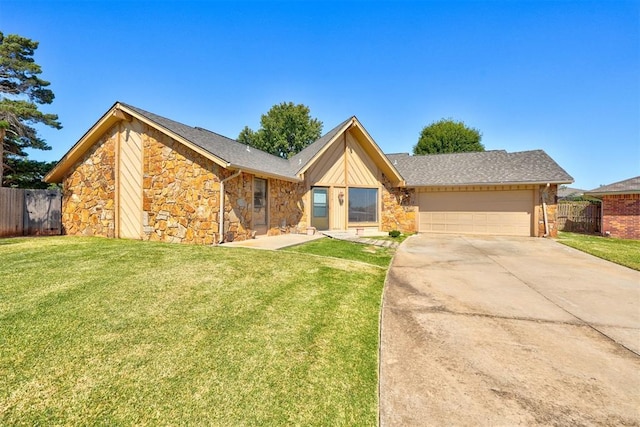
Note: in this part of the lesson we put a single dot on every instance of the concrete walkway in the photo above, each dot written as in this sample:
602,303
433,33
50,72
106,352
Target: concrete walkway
508,331
366,239
274,242
286,240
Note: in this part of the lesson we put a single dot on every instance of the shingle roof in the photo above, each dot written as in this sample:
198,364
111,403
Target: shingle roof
302,158
488,167
631,185
565,192
226,149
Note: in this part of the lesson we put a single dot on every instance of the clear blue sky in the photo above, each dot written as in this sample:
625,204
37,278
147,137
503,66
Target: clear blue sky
563,76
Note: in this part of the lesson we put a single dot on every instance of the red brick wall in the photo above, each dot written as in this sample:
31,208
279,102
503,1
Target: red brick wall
621,216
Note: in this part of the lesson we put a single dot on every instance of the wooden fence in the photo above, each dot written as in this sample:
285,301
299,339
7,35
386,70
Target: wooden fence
582,217
30,212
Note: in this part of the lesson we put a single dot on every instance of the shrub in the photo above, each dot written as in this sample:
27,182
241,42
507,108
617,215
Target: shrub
394,233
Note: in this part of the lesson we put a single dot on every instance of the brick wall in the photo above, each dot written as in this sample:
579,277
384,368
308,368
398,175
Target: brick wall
621,216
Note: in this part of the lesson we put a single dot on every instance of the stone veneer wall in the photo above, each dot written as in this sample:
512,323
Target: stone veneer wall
550,196
181,195
286,207
399,208
621,215
88,191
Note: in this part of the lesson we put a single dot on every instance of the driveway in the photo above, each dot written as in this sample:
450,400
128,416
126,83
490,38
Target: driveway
508,331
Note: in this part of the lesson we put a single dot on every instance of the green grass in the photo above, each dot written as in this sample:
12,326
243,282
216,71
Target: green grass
621,251
103,331
343,249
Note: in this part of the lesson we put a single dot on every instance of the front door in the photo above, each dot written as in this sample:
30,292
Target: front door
320,208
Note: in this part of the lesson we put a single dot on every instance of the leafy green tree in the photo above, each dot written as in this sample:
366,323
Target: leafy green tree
448,136
285,130
23,173
20,91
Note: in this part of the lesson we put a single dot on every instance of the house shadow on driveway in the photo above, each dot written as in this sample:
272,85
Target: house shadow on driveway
508,331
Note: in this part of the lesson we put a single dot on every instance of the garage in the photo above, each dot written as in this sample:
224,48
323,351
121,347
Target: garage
507,213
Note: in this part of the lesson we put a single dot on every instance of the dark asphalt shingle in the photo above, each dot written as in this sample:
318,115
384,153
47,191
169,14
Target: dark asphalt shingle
631,185
488,167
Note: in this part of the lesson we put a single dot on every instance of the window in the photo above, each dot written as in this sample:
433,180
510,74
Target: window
259,201
363,205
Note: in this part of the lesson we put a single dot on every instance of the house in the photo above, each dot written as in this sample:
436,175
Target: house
569,193
620,208
138,175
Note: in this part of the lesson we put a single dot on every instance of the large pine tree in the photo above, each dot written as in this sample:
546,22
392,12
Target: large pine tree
21,90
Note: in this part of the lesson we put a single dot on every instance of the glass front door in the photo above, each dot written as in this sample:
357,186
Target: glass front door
320,208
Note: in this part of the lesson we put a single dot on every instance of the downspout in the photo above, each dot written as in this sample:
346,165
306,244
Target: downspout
222,194
544,210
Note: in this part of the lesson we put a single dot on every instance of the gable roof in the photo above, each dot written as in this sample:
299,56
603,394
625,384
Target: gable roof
232,153
487,167
627,186
302,161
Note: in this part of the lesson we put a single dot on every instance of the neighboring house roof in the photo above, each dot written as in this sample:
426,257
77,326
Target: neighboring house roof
628,186
487,167
567,192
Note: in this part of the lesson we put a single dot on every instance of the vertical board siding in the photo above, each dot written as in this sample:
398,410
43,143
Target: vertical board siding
11,211
30,212
580,216
330,168
361,168
130,183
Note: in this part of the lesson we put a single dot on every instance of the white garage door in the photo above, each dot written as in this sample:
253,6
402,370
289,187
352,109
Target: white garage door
507,213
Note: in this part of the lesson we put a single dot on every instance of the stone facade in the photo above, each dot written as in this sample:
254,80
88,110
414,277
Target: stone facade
399,208
621,216
286,207
88,195
550,197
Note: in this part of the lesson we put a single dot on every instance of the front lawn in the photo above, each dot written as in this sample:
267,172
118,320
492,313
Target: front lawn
620,251
111,332
370,254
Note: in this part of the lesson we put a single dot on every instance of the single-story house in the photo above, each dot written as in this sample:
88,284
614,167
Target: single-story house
620,208
138,175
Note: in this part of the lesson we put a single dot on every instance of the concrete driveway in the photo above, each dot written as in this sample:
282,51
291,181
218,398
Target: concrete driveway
508,331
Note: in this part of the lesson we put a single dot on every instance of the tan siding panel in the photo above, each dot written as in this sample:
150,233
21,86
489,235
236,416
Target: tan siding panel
477,212
361,169
330,167
338,211
130,180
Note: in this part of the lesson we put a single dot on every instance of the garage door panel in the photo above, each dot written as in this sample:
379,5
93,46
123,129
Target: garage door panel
478,212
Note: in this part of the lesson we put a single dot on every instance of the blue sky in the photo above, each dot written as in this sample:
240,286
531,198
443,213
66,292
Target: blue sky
563,76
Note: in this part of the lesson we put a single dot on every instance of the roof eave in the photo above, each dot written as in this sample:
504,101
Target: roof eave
264,173
116,113
598,194
319,154
468,184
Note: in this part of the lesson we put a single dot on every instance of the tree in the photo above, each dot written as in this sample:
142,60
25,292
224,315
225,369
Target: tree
20,91
448,136
285,130
23,173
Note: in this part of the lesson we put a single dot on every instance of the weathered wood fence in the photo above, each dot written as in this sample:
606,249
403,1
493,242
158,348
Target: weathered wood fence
30,212
582,217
